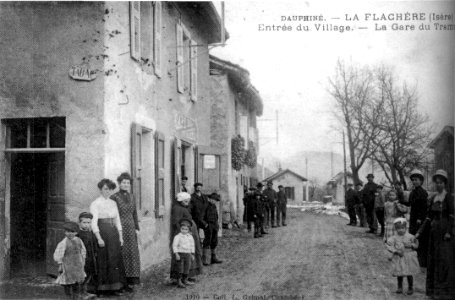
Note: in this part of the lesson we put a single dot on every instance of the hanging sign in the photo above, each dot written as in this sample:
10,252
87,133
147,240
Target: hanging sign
82,72
185,127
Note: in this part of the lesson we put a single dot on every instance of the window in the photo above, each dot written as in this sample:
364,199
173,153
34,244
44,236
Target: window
289,192
142,167
35,134
146,32
186,63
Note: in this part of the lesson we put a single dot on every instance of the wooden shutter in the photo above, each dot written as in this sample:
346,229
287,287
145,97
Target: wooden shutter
135,30
159,174
196,163
177,148
136,162
157,38
193,67
180,79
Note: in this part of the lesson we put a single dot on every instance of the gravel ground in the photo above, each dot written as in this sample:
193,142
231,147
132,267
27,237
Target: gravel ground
315,257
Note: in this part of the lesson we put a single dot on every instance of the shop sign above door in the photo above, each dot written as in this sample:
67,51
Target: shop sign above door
82,72
185,127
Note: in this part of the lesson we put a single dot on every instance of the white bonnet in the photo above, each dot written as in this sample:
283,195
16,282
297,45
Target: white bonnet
183,196
400,220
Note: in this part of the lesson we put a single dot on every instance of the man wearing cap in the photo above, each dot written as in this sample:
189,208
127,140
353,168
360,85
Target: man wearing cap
198,206
281,206
270,197
260,204
249,207
211,231
183,186
359,206
379,207
368,196
350,205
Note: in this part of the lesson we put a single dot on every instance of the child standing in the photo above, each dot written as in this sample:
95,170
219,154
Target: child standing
211,231
404,260
90,242
392,209
183,248
70,256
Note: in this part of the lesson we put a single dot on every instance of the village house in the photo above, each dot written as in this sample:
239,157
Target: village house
235,105
443,147
292,183
89,90
336,187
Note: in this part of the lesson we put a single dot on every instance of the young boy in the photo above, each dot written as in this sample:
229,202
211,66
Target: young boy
70,256
183,248
379,207
211,231
90,242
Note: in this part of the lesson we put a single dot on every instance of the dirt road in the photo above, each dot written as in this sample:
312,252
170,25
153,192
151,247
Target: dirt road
314,257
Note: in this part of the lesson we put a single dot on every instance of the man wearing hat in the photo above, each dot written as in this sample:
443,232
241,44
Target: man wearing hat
198,206
281,206
249,207
211,231
260,210
368,194
350,205
270,197
183,186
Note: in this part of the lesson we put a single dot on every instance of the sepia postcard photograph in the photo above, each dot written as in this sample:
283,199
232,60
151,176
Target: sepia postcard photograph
236,150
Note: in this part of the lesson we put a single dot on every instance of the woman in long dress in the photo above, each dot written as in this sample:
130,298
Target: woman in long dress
440,282
128,216
108,231
180,211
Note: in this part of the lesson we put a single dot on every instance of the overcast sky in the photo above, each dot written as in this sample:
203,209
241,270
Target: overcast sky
290,69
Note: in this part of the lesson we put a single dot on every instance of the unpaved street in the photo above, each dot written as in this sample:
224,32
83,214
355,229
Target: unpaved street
315,257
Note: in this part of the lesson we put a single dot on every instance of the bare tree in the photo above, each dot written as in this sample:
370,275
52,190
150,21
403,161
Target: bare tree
352,88
400,143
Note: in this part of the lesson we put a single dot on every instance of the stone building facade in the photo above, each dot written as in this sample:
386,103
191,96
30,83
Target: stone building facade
443,147
97,89
235,106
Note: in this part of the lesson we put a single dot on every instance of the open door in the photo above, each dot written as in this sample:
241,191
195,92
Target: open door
55,208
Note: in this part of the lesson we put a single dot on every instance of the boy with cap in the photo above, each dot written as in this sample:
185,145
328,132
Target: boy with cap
90,242
70,255
379,207
211,231
350,205
183,249
281,206
359,206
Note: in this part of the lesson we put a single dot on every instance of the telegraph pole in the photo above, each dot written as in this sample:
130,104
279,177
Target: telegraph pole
276,126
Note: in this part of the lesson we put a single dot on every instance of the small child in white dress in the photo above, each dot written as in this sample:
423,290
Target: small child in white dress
404,259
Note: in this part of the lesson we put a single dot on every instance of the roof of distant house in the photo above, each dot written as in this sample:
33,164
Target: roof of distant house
282,172
444,131
239,78
339,177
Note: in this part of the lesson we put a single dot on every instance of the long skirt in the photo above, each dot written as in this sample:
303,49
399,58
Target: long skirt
441,263
130,253
111,274
196,265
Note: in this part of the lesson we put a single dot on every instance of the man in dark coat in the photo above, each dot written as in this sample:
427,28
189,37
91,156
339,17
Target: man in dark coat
359,207
198,206
270,197
257,204
350,205
249,207
211,231
281,206
368,194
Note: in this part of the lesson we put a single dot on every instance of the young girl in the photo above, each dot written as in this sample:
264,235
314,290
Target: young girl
404,260
392,210
70,256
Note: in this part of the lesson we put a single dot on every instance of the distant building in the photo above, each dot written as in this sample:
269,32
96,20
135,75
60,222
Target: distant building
292,183
443,146
335,187
235,104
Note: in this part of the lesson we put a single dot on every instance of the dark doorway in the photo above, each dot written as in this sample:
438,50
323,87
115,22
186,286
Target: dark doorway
29,173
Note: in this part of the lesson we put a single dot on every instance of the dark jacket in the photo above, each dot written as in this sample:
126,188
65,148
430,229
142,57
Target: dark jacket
270,196
418,200
198,207
258,205
281,198
250,204
368,194
351,197
211,216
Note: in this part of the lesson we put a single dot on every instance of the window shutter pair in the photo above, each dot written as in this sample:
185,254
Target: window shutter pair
135,35
136,162
179,36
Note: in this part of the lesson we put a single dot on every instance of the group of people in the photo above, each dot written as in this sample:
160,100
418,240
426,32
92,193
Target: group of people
262,206
418,232
191,215
100,252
